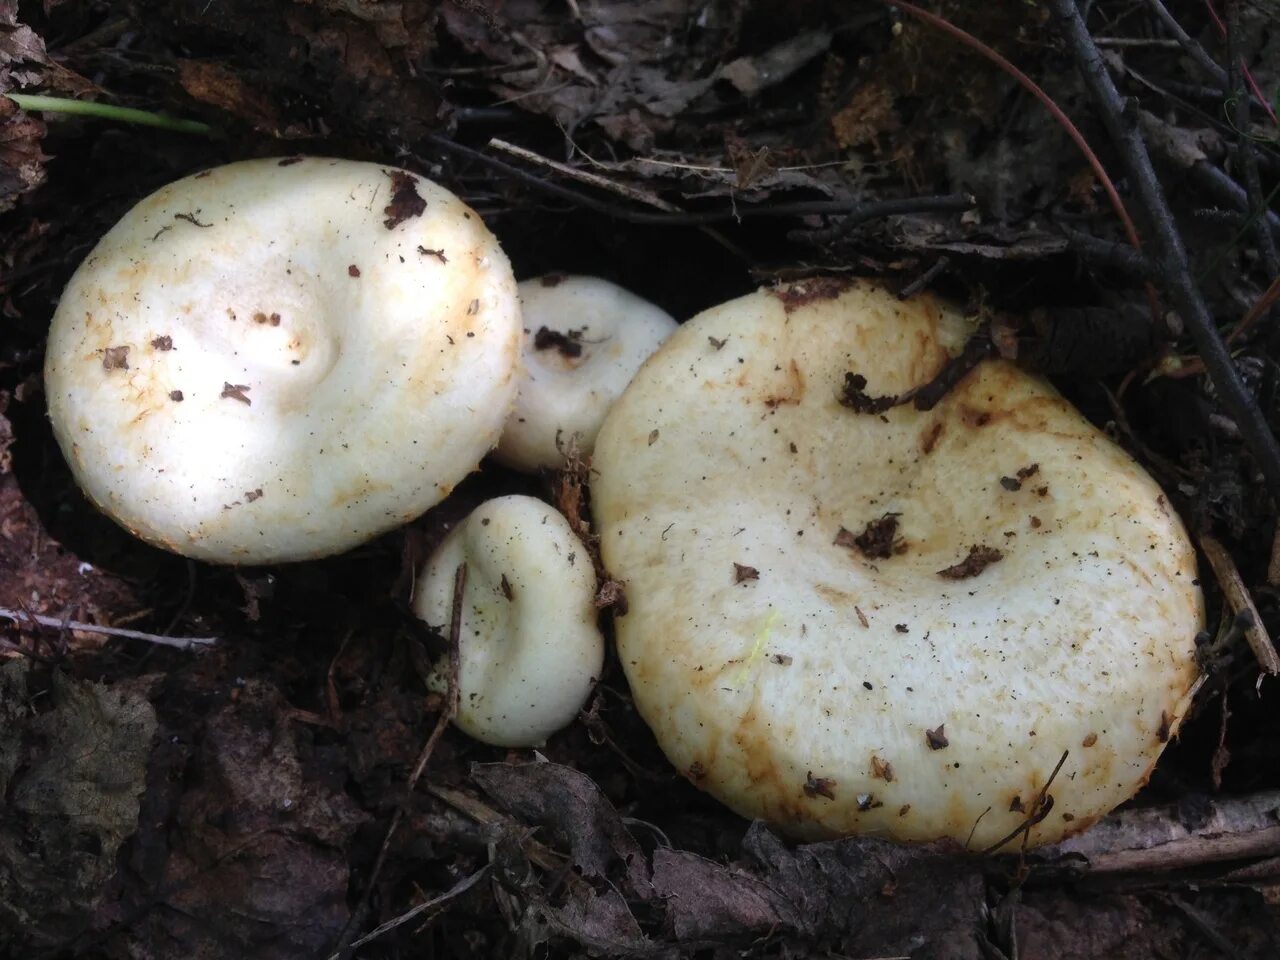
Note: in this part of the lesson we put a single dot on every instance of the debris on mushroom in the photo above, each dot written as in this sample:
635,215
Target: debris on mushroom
967,670
273,328
529,648
584,339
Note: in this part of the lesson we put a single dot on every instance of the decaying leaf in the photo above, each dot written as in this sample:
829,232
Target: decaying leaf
70,781
571,807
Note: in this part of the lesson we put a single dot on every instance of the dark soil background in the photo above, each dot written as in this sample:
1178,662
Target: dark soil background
233,801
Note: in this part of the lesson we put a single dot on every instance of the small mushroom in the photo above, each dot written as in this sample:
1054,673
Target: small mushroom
968,668
283,335
584,340
529,648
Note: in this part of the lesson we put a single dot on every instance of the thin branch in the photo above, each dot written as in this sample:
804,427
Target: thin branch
944,203
1046,101
58,623
1247,159
1159,839
865,210
1110,253
1227,191
1193,49
1171,256
1189,44
1039,810
935,270
459,888
447,712
604,183
1244,67
1241,602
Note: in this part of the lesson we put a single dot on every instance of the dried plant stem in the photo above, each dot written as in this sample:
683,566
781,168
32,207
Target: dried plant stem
459,888
107,111
1240,601
58,623
862,209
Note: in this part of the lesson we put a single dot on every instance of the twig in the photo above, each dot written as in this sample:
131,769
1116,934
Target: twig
1247,159
539,854
866,210
1158,839
954,202
1240,601
451,695
1171,257
1260,306
1204,925
585,176
106,111
58,623
1109,253
1046,101
604,183
1121,42
447,712
1039,810
1223,31
459,888
1227,191
919,283
1188,43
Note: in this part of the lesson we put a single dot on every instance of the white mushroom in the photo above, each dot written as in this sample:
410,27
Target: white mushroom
529,646
279,359
584,339
890,621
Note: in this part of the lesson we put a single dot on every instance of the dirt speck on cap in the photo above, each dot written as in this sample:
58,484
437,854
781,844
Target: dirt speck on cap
405,202
819,787
115,358
796,295
878,540
568,344
854,396
978,559
236,391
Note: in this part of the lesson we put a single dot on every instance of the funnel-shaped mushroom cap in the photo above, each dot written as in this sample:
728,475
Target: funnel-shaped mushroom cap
529,647
584,339
890,621
279,359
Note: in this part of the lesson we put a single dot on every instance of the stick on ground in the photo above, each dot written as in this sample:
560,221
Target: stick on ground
57,623
1169,255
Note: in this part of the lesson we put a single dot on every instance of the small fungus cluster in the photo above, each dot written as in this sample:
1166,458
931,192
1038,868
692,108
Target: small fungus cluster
845,614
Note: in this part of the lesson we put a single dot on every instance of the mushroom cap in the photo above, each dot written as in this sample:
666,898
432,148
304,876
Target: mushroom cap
814,664
529,647
280,359
584,339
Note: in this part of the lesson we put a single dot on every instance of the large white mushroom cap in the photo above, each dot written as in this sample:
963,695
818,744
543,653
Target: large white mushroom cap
529,648
584,339
279,359
891,622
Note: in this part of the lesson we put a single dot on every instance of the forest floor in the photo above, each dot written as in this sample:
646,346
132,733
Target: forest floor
236,800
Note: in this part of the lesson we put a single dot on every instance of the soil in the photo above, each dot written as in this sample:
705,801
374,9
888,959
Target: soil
234,800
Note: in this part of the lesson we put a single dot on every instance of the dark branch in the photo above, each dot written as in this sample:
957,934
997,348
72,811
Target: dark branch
1170,255
1248,160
